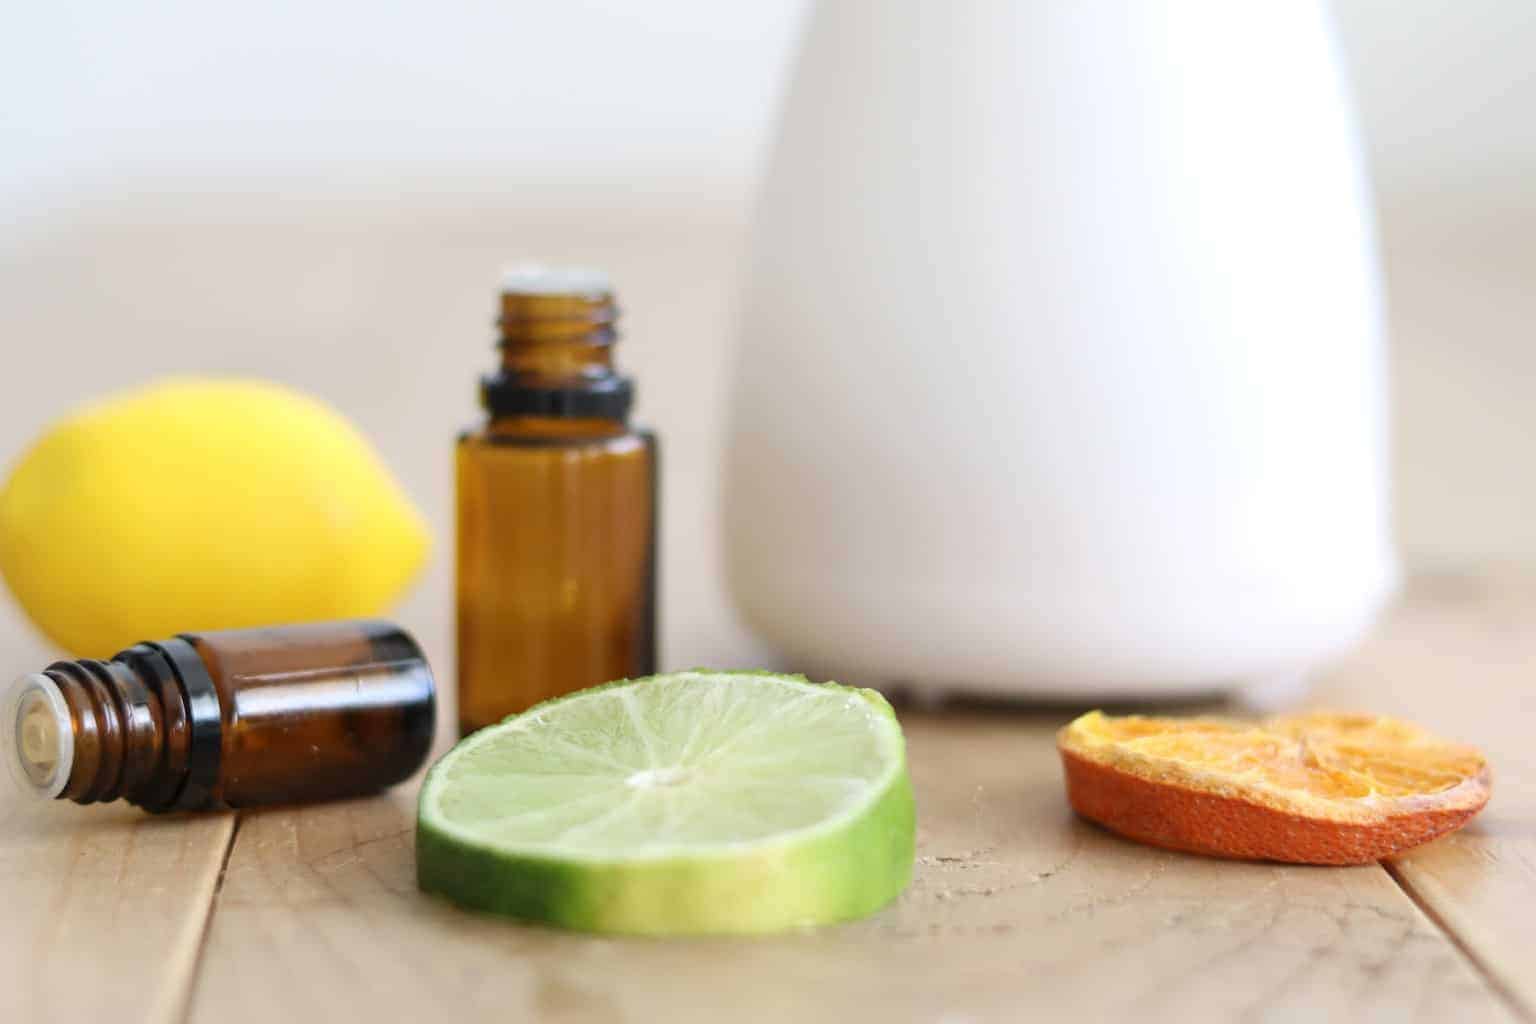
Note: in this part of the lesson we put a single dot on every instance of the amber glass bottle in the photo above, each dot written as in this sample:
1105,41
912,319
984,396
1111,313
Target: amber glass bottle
557,508
226,719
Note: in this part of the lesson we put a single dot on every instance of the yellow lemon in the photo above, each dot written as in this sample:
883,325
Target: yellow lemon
203,504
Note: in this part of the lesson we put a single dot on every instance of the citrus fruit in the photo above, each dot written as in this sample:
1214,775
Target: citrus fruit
694,803
1310,789
202,504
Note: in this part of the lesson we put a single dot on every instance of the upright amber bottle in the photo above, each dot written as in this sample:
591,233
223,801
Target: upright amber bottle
226,719
557,508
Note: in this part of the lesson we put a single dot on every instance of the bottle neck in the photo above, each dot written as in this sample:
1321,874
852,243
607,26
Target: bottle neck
145,727
557,359
554,428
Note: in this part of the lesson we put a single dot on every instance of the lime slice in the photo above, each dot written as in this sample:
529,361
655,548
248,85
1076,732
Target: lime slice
686,804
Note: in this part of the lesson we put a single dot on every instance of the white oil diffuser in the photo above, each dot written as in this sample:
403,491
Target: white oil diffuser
1062,373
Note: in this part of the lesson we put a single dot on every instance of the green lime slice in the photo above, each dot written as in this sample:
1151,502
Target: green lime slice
685,804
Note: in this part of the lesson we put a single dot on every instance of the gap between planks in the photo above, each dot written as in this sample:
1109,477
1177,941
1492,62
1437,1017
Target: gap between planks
1518,1009
1512,1001
183,1012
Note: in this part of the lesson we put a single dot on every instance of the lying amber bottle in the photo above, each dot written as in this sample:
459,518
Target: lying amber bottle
556,508
226,719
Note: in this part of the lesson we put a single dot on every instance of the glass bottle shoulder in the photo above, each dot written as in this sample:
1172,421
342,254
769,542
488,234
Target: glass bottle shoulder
543,433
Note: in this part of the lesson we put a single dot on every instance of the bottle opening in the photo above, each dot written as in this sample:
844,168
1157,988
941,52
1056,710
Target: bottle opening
38,740
538,279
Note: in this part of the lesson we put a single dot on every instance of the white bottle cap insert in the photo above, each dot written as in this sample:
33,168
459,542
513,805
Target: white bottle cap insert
37,739
538,279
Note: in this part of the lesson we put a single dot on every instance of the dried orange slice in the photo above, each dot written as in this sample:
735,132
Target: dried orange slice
1308,789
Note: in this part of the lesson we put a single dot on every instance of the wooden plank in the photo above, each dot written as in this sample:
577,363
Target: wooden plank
1460,658
102,910
1017,908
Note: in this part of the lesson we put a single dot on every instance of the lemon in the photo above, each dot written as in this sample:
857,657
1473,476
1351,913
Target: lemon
202,504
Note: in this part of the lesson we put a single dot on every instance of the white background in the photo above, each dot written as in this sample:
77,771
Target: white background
323,192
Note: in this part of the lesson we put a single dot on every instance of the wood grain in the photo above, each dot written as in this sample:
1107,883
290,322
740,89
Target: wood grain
102,910
1460,657
1017,908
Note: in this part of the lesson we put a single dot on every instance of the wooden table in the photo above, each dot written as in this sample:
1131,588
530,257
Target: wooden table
1018,910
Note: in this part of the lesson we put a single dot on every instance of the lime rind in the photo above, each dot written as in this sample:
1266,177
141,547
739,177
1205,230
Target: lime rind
611,861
